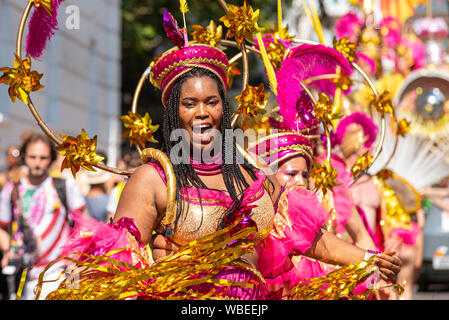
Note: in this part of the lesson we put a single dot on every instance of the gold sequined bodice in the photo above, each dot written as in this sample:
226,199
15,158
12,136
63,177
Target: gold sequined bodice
203,218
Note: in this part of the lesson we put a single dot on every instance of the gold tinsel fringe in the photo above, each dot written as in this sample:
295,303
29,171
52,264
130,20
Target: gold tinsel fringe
171,277
338,284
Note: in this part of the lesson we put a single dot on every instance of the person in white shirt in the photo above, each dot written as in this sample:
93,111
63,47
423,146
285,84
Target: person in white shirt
35,215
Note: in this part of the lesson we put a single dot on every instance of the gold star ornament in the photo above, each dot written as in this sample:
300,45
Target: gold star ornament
209,35
21,80
78,152
138,129
346,48
325,110
362,163
324,177
46,4
383,103
252,101
241,22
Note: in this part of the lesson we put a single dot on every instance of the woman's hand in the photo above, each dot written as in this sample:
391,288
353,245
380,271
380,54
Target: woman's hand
385,292
389,265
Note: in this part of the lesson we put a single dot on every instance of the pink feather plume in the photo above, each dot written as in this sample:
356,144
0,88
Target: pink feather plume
303,62
41,29
349,26
391,28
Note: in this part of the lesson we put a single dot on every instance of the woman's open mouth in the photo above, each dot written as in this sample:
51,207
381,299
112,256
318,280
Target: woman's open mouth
203,132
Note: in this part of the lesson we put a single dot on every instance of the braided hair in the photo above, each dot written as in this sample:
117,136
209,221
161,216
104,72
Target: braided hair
186,176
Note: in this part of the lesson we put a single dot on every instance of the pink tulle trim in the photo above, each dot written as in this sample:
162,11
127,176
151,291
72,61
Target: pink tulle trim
306,217
97,238
408,236
305,268
343,201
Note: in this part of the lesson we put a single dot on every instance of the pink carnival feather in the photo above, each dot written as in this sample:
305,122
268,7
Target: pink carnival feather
370,129
41,29
303,62
349,26
390,28
416,49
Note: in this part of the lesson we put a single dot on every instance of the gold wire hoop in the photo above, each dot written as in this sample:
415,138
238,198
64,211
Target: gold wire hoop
44,127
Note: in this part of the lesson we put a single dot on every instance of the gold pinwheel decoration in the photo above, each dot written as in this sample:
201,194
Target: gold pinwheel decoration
46,4
209,35
403,126
21,80
241,22
252,101
325,110
346,48
324,177
383,103
282,33
362,163
138,129
276,52
342,81
78,152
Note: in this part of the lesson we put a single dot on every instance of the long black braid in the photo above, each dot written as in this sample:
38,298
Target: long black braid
185,175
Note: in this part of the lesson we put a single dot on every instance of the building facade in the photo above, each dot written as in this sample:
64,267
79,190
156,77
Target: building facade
82,75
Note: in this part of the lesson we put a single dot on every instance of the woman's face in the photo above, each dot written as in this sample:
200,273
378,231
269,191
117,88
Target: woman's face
200,111
294,172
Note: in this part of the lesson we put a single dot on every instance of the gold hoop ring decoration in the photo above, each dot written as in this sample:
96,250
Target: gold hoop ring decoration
151,153
84,146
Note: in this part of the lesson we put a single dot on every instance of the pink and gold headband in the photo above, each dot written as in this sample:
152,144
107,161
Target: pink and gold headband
278,147
171,65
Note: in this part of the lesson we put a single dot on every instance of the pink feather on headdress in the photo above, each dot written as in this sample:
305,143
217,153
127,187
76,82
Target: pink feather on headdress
41,29
416,48
303,62
370,129
349,26
390,28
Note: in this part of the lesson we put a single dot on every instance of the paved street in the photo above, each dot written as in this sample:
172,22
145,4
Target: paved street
435,293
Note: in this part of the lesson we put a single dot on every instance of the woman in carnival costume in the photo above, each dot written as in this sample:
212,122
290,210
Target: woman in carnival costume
291,156
207,223
396,200
381,207
214,194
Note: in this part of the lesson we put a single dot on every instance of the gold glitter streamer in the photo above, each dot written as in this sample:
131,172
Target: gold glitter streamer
338,284
171,277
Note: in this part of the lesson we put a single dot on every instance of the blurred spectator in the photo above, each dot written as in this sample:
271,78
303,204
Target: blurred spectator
115,179
97,198
14,170
80,179
34,217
